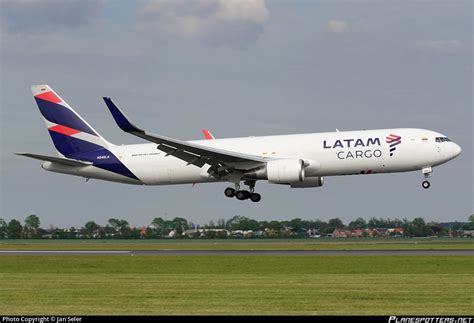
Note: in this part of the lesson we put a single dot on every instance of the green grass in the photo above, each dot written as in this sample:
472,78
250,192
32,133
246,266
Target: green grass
403,285
239,244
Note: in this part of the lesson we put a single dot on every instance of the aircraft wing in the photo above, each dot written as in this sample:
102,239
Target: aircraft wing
222,161
63,161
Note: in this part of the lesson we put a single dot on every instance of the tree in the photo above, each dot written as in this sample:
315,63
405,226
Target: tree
471,218
234,222
160,226
320,225
121,227
115,223
180,225
14,229
397,223
149,234
89,228
336,223
109,232
359,223
262,225
251,224
133,234
296,224
3,229
437,229
375,223
418,228
332,225
32,223
275,225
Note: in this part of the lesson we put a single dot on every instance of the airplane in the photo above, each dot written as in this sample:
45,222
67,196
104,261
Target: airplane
297,161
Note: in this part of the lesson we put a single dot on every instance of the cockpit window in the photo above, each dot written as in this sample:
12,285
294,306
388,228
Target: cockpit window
442,139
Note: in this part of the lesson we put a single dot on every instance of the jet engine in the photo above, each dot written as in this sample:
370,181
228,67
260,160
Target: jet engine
285,171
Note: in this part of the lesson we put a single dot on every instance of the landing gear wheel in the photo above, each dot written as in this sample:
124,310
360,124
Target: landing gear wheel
229,192
242,195
427,171
255,197
426,184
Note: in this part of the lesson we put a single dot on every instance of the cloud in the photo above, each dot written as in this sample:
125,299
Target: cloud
217,22
337,26
439,45
21,16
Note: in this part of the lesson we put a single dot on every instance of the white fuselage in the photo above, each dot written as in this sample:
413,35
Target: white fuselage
325,154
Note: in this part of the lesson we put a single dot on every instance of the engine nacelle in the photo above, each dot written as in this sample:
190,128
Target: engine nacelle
285,171
309,182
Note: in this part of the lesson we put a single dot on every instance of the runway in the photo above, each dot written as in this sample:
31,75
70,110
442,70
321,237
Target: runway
230,253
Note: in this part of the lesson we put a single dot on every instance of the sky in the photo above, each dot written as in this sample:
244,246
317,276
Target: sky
238,68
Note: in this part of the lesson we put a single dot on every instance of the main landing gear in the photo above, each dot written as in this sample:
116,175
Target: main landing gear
243,194
427,173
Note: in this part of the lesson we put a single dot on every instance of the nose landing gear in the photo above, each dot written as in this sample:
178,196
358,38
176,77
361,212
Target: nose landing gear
243,194
427,171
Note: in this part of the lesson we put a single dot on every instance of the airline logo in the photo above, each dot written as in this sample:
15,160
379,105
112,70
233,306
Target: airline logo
345,148
351,143
393,141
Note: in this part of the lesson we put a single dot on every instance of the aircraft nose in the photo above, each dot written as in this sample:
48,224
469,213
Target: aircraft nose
456,150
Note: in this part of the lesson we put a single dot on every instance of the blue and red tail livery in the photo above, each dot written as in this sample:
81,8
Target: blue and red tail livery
71,134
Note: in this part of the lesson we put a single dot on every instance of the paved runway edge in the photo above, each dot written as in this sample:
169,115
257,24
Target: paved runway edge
230,253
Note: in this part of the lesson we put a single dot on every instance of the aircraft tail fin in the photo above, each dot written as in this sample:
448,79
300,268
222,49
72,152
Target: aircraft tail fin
71,134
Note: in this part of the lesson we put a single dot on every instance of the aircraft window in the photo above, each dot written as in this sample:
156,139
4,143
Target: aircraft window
442,139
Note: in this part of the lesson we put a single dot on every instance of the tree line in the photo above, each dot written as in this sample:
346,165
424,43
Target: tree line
159,228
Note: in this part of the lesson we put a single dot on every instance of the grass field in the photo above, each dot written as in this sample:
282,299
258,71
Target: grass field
239,244
324,285
425,285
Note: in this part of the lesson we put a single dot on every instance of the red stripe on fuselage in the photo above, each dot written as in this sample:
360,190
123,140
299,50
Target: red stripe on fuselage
49,96
64,130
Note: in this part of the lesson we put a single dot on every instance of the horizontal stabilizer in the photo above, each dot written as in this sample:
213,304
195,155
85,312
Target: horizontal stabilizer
63,161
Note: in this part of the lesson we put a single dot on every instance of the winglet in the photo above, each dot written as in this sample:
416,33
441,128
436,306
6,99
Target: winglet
120,118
